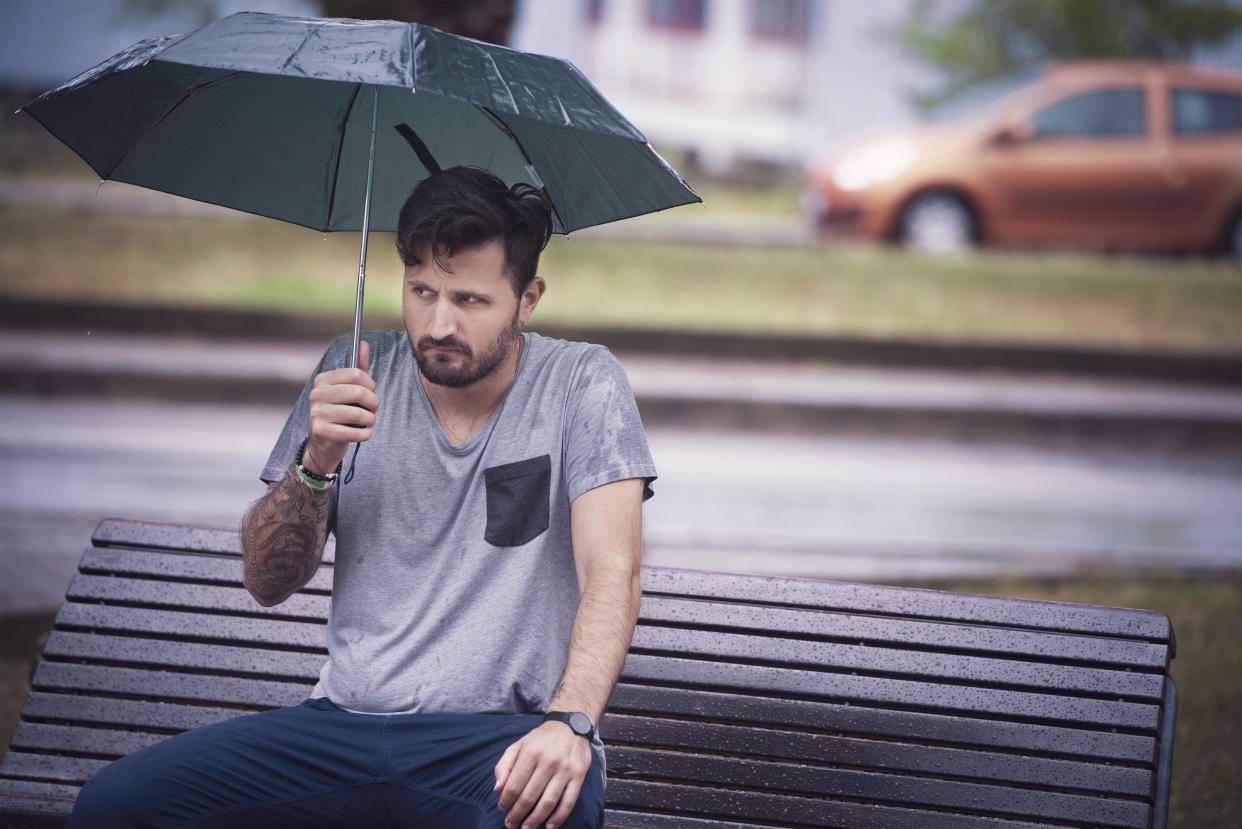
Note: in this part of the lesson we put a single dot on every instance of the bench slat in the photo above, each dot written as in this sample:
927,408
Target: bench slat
165,716
717,706
904,662
619,819
50,768
191,538
870,629
786,811
869,786
217,598
29,803
905,601
897,692
187,537
175,687
168,655
851,752
227,570
194,626
105,743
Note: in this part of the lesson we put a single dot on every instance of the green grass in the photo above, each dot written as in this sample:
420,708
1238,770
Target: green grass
1207,618
1165,303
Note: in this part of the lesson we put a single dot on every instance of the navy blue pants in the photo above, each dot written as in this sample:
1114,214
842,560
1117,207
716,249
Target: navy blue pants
316,765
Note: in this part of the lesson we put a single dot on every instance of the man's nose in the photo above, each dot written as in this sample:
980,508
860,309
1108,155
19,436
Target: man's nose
443,320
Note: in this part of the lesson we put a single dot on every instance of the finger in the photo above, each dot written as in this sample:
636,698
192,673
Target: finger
505,765
344,377
364,354
344,414
532,799
333,428
519,776
342,395
569,798
547,800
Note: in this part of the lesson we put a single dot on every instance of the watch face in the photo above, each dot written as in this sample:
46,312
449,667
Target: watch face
580,723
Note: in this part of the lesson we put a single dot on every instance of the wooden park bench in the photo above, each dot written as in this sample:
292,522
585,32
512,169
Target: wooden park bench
744,702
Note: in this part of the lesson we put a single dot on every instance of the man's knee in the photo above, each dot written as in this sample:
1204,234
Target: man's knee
115,796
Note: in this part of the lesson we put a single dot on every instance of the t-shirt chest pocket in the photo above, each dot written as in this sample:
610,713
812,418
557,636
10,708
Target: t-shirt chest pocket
517,501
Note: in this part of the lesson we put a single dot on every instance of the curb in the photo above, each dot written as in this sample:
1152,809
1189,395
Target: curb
1166,366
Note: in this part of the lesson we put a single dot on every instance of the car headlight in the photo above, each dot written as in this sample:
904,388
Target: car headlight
873,164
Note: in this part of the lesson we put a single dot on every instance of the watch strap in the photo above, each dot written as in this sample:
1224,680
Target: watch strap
580,723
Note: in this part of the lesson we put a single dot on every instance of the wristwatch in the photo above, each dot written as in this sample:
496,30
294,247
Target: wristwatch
578,722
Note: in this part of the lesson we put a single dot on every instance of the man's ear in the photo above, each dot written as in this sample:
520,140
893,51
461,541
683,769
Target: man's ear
530,299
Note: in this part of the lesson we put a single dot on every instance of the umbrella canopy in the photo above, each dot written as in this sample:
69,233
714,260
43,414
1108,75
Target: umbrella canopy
273,115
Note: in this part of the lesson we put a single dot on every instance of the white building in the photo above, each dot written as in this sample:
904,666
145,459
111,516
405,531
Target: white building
733,80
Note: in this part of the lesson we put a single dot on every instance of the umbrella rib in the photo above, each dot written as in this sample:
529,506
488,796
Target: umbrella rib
529,164
336,156
184,95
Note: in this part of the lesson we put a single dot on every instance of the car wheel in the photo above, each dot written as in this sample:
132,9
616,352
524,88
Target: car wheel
937,223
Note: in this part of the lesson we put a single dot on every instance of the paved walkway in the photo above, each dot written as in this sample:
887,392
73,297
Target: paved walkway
677,389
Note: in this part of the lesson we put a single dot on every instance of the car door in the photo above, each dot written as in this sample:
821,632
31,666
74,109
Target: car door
1206,154
1086,170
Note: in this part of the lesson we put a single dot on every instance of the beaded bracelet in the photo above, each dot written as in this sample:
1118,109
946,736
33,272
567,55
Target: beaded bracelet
314,479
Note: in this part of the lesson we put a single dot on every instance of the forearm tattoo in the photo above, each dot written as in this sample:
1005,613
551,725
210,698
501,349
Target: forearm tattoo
283,536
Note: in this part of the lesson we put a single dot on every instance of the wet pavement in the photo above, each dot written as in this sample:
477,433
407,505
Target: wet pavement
876,508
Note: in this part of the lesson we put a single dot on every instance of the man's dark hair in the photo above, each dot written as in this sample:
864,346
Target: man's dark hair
464,207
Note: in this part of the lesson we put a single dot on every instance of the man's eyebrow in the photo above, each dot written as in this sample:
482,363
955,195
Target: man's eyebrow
470,292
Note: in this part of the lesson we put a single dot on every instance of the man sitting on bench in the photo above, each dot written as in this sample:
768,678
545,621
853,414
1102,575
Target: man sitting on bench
486,582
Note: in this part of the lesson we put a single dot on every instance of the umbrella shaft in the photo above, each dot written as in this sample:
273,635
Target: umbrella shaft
366,225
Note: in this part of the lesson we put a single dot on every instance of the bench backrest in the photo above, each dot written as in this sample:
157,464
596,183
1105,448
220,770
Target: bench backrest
744,701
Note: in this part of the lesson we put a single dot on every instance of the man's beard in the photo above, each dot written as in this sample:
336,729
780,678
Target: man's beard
441,371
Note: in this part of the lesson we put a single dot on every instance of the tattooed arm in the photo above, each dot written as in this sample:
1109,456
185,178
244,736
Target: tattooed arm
282,539
284,532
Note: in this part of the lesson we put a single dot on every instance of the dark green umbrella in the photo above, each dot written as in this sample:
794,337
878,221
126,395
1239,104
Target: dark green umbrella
330,123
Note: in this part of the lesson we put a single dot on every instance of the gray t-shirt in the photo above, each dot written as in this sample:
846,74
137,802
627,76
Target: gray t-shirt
455,588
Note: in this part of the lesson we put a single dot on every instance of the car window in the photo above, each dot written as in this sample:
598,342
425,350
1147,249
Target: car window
1198,111
1103,113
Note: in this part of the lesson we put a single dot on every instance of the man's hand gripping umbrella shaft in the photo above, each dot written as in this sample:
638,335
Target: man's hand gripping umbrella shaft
284,533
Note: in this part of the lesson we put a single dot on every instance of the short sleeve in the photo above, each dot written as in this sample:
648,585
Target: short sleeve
604,440
295,430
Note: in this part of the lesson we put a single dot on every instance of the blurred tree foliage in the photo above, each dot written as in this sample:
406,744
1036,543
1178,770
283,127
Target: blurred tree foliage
989,39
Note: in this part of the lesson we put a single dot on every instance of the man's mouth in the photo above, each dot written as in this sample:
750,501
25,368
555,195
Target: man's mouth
428,345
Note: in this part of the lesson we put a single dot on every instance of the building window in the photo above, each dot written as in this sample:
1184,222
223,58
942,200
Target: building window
783,19
593,11
682,15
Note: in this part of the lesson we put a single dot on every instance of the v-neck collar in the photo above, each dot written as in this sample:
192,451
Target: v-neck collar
481,435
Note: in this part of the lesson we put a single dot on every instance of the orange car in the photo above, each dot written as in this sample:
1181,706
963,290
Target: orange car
1114,155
